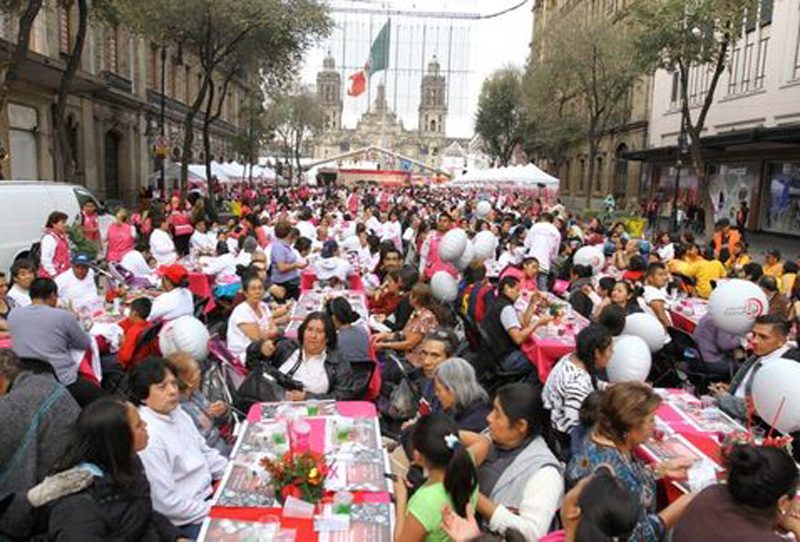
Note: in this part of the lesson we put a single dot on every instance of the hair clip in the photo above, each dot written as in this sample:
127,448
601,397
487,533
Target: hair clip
451,440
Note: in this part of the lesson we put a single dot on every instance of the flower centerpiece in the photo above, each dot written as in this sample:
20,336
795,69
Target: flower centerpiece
300,475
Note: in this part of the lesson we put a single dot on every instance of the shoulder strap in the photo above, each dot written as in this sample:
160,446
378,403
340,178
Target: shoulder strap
33,427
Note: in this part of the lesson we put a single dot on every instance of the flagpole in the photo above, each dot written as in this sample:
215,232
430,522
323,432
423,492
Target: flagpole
386,69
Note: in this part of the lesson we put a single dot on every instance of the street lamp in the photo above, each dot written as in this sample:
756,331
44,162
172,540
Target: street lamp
162,177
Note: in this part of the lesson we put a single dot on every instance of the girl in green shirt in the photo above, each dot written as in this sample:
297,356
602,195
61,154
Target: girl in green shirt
452,481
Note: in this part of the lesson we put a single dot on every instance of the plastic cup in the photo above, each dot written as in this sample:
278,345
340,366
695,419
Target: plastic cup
295,508
342,500
312,408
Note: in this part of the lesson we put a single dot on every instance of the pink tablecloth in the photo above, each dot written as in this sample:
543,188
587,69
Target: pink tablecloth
545,353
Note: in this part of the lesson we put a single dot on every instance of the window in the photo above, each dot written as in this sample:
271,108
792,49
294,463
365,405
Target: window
676,87
796,72
749,53
582,176
598,184
23,123
153,67
187,84
64,33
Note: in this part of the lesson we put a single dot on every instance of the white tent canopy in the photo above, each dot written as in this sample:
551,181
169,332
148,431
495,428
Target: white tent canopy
226,173
528,176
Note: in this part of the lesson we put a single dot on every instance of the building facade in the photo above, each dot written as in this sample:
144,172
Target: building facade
114,107
751,142
613,172
380,126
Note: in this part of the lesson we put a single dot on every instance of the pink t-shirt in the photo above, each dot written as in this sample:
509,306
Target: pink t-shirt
557,536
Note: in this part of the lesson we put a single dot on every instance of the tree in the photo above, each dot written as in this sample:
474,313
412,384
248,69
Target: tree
9,72
252,138
593,63
679,36
500,119
554,127
263,38
294,114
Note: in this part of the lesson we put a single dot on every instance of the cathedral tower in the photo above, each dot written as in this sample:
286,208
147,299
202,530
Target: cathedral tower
329,94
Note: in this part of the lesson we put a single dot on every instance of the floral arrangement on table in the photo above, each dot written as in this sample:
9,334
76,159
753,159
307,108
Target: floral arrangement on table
748,436
115,293
299,475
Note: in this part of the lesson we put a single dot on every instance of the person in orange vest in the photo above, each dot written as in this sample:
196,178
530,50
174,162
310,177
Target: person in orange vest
725,240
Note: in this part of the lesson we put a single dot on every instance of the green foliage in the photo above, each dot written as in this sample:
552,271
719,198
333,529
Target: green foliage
294,115
255,132
79,242
501,117
579,84
677,32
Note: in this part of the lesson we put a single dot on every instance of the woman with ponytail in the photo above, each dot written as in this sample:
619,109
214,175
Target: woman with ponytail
756,503
452,481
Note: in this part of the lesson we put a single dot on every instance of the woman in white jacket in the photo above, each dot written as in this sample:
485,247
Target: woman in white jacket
161,245
521,482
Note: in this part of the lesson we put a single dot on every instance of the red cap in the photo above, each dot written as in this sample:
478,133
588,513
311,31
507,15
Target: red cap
175,273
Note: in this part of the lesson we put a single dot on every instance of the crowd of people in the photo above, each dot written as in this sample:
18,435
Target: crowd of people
109,438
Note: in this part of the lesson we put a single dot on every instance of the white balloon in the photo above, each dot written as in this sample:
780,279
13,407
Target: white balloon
631,360
452,245
466,257
485,244
776,382
646,327
735,304
483,208
444,287
592,256
185,334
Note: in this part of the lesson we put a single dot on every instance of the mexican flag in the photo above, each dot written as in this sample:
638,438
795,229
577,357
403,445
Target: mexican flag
378,61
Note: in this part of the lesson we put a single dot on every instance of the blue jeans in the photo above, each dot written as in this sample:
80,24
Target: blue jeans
516,362
542,278
191,530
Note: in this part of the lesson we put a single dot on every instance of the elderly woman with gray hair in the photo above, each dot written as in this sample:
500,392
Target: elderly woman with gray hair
460,394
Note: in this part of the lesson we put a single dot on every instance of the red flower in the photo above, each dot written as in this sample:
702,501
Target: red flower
290,490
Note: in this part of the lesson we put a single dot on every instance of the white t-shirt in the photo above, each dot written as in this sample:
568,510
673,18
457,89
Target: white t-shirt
80,293
202,242
162,247
543,241
134,262
307,230
171,305
311,372
650,294
244,314
22,298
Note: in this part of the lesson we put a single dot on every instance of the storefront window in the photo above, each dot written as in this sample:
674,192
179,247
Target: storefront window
731,184
664,187
780,209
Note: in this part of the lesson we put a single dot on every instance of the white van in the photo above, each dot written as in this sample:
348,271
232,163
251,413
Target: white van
24,208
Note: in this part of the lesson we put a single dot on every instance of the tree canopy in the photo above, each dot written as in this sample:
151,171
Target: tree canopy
501,117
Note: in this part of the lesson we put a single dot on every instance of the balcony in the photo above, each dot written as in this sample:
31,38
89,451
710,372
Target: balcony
117,82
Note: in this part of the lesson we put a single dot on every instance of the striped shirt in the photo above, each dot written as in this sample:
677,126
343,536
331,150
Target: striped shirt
563,394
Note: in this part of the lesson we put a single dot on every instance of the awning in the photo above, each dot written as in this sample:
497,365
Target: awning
759,139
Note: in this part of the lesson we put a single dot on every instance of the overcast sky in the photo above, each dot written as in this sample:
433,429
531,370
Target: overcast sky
489,44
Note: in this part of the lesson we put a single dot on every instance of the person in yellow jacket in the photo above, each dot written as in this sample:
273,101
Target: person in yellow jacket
773,267
705,269
739,258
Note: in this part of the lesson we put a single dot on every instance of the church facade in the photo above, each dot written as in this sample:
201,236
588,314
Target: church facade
380,126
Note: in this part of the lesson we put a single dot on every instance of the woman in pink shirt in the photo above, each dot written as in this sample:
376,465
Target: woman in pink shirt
121,237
